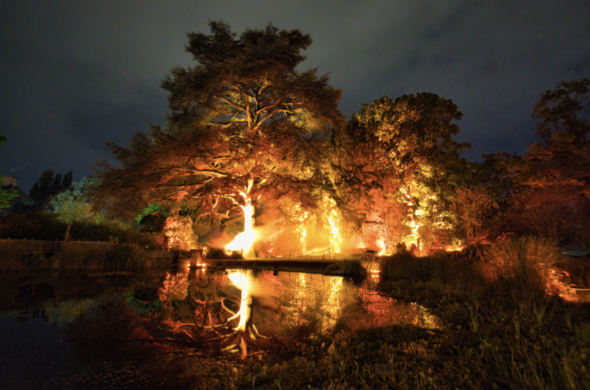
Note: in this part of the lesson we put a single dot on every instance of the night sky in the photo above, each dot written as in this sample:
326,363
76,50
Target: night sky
75,74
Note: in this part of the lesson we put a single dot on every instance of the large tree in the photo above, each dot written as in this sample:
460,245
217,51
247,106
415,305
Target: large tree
562,159
404,148
483,199
245,126
555,173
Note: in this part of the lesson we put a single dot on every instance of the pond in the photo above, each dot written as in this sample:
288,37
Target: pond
80,330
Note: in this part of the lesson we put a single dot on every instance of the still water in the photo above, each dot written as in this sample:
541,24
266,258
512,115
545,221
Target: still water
78,330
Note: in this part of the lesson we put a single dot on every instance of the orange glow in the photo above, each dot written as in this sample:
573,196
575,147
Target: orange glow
331,214
242,281
413,238
381,244
301,228
555,286
245,240
454,248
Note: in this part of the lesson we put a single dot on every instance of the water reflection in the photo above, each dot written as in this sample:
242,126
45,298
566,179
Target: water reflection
198,312
276,302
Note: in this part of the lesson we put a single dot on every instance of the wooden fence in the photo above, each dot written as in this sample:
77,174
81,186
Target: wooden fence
48,246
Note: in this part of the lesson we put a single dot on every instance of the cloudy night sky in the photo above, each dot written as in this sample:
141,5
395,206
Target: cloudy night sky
74,74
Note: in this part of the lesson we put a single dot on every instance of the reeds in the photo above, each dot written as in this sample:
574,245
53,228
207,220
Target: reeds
526,264
451,270
127,258
72,256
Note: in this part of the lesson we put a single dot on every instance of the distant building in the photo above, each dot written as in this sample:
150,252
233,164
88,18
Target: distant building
10,182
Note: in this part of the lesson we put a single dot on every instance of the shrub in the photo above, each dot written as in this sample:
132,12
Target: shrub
525,263
127,257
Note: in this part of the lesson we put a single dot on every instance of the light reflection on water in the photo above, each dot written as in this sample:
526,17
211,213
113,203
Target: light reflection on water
287,299
278,302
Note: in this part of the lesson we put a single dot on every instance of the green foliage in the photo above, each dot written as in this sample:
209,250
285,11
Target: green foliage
6,195
72,205
153,207
127,258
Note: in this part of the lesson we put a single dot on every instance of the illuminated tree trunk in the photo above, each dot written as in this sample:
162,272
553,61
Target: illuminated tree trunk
332,216
241,280
301,229
245,240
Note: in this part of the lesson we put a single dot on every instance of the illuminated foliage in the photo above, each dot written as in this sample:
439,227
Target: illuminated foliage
72,204
179,231
404,148
243,120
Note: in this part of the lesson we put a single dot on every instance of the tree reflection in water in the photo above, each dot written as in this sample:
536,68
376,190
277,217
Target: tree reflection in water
240,315
243,313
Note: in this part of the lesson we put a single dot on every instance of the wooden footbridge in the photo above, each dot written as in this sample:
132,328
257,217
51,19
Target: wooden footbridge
293,264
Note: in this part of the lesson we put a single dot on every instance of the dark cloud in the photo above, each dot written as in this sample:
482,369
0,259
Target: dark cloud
75,74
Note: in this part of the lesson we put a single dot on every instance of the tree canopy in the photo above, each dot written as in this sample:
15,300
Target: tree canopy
404,148
244,125
562,159
555,173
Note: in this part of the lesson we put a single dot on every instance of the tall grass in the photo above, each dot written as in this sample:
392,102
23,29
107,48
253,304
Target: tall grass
526,264
128,258
451,270
72,256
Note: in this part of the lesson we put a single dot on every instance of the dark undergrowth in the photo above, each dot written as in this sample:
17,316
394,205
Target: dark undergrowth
489,339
